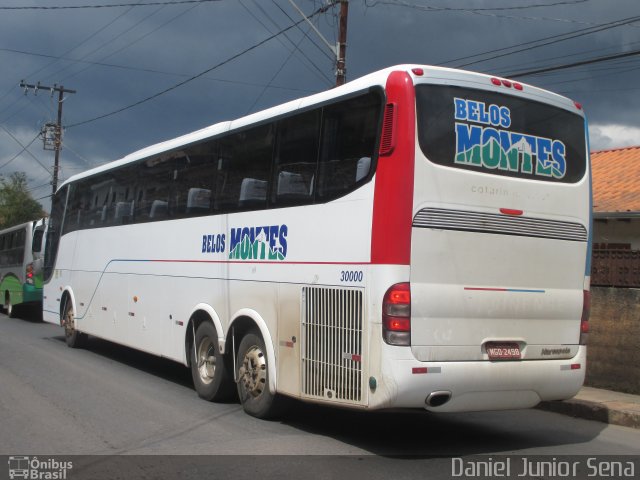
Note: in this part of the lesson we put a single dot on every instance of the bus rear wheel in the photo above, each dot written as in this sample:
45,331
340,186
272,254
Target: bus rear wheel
8,306
73,337
252,376
211,377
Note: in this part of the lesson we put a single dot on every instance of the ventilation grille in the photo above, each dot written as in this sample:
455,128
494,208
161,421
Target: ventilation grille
499,224
332,344
387,141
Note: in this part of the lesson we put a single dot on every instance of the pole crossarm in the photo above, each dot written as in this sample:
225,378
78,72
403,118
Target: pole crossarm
57,140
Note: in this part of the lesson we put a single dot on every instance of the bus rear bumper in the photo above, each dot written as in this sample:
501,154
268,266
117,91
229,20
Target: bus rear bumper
31,294
478,386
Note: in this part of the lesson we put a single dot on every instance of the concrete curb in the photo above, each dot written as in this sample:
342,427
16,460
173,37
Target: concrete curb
590,404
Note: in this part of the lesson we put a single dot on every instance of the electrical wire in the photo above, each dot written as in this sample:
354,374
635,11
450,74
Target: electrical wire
574,64
459,9
194,77
24,149
312,66
113,5
553,39
108,42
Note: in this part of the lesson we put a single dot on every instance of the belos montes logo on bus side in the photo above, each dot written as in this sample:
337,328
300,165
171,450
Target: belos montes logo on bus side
479,142
259,243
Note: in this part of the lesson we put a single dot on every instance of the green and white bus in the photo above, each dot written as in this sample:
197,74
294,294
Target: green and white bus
21,264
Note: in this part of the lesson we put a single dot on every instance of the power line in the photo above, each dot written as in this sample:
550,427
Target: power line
194,77
138,69
113,5
313,67
459,9
551,40
24,147
477,11
104,44
574,64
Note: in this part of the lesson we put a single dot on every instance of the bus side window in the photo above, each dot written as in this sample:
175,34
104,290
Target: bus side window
245,169
153,182
296,159
195,181
349,132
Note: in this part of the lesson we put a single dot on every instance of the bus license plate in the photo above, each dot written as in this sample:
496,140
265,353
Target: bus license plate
503,351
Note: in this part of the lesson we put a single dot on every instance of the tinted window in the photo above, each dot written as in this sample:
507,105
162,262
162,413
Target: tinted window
153,190
194,181
54,229
349,133
244,169
296,159
314,156
500,134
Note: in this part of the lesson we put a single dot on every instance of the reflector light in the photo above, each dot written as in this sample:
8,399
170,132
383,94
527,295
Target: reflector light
578,105
418,71
496,81
396,324
511,211
518,86
416,370
584,320
575,366
506,83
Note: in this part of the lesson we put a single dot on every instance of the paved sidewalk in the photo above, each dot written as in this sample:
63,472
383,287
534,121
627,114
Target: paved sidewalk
601,405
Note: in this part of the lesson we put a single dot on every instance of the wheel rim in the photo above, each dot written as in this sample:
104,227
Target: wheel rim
253,372
206,360
69,328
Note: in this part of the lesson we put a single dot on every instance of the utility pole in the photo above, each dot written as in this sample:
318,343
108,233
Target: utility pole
56,140
339,50
341,63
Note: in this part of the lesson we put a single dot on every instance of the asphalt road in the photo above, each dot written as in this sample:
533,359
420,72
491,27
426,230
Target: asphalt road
110,400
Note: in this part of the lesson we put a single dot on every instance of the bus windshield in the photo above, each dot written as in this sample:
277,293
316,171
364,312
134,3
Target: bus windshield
500,134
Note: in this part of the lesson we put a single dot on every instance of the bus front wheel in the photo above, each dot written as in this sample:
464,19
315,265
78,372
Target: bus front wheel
73,337
252,377
8,305
211,377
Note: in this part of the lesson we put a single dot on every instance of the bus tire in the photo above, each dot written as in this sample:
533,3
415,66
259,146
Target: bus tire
211,377
252,377
73,337
8,305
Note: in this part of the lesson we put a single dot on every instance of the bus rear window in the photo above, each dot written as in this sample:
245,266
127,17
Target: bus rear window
499,134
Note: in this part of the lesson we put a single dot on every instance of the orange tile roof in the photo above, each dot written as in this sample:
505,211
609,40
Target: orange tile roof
616,180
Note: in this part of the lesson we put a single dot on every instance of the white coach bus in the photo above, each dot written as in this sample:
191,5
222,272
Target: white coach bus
417,238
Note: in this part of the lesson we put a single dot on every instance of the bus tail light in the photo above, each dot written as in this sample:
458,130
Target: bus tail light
29,274
396,315
584,320
388,138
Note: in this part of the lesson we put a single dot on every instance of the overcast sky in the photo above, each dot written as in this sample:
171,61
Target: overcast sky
116,57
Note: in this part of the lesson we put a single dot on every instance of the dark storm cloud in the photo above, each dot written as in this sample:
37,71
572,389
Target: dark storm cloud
127,54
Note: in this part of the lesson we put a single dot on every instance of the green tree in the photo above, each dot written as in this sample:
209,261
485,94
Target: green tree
16,204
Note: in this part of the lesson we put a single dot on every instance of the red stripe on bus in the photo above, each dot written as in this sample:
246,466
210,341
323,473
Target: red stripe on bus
244,262
393,195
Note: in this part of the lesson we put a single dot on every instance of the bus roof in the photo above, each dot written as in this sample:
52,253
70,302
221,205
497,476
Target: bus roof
426,74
